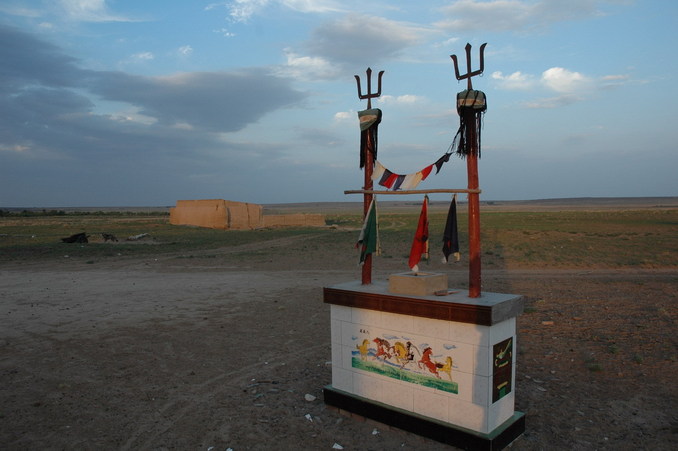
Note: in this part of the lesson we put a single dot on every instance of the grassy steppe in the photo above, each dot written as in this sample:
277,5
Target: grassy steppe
566,239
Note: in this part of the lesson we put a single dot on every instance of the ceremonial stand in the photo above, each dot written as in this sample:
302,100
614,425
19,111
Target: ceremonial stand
438,366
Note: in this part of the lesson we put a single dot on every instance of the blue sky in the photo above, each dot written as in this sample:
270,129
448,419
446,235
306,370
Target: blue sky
142,103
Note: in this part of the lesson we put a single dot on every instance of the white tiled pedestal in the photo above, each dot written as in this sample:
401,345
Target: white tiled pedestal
439,366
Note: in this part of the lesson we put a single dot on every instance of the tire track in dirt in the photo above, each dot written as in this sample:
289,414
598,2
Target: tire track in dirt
148,432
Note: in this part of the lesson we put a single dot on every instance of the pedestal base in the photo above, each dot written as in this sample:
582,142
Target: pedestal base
442,432
447,361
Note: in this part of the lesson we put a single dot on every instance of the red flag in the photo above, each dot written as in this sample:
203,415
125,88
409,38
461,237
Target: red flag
420,243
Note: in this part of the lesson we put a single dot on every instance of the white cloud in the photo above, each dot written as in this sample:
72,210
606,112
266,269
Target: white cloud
225,32
90,11
406,99
345,116
307,67
553,102
243,10
185,50
143,56
359,39
512,15
312,6
516,80
565,81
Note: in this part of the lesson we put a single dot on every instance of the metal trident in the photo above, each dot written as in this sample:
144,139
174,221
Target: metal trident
468,73
369,96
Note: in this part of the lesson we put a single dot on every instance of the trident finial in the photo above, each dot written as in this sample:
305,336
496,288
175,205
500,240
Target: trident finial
369,96
468,73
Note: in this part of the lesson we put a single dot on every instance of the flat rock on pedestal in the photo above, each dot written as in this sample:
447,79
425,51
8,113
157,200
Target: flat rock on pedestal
417,284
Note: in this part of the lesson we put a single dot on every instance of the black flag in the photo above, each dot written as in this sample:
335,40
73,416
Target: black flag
451,236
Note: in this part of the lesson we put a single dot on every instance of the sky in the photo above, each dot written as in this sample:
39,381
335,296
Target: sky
143,103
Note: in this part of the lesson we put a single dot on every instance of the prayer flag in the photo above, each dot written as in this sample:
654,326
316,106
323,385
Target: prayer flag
451,235
369,235
420,243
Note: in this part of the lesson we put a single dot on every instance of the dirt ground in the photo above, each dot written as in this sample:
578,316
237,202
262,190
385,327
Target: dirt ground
221,352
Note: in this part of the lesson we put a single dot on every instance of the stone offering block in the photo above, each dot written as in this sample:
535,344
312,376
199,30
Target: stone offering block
420,284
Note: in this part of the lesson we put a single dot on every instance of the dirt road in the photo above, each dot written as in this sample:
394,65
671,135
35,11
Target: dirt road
214,353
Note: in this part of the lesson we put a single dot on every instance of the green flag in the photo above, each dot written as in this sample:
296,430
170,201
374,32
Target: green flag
369,235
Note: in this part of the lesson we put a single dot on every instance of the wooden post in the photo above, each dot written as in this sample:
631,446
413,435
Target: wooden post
369,164
472,174
473,209
367,200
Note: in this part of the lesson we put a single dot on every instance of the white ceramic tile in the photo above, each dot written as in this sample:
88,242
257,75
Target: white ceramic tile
470,333
337,359
366,317
430,404
468,415
432,327
340,312
462,355
482,365
465,383
394,321
335,331
342,379
482,390
366,386
503,330
397,394
501,411
347,357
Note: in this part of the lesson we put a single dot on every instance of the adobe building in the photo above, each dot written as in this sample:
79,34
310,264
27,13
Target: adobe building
229,215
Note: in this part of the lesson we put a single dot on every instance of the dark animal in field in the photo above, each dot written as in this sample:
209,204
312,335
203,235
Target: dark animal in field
109,237
76,238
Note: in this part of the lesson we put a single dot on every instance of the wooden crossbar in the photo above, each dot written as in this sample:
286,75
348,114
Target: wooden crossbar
414,191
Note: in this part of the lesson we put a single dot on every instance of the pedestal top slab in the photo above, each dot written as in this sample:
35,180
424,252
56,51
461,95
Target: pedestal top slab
488,309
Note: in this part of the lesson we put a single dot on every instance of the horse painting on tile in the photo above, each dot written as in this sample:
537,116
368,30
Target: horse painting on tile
399,358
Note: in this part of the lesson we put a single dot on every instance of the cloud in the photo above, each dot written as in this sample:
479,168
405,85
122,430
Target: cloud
212,101
512,15
244,10
565,81
514,81
307,67
90,11
28,60
553,102
143,56
406,99
358,40
51,106
185,50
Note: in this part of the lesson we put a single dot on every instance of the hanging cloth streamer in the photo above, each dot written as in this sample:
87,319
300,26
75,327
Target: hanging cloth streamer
368,241
471,105
420,243
395,182
451,234
369,125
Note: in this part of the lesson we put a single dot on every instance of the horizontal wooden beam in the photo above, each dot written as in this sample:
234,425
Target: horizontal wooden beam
413,191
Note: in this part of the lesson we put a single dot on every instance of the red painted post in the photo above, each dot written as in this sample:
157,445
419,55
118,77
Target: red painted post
473,210
369,165
472,173
367,199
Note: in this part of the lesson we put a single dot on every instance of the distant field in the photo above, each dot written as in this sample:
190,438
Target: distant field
396,203
548,234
